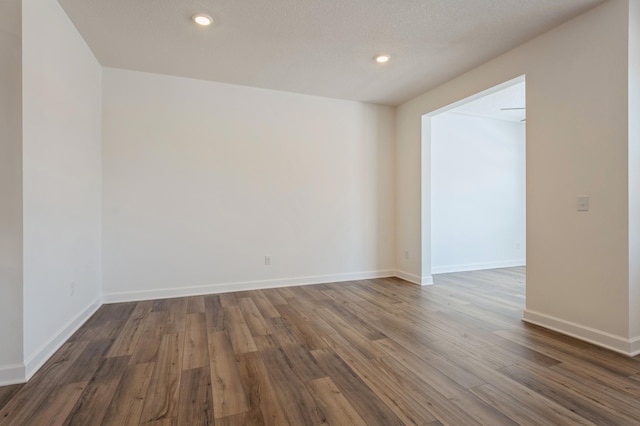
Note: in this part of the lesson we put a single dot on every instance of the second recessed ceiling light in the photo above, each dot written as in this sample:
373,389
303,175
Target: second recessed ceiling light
202,19
382,58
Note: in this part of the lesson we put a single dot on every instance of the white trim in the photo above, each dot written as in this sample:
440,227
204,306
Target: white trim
622,345
133,296
42,355
426,280
634,346
477,266
12,374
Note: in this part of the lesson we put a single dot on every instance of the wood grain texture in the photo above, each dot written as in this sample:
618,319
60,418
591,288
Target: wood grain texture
127,403
263,406
229,396
56,408
96,397
370,352
339,410
196,403
293,395
162,395
196,352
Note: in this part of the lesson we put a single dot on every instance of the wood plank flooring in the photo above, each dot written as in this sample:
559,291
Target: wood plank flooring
371,352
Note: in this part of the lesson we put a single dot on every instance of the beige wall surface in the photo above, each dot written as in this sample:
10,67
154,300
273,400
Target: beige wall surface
634,169
10,191
577,144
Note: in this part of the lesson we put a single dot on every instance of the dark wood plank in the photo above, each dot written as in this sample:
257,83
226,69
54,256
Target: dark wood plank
555,387
333,402
162,397
195,406
128,338
55,409
227,389
94,401
264,304
106,330
127,403
88,362
538,410
195,305
363,399
228,300
214,313
303,362
7,393
24,403
176,321
242,419
253,317
349,333
239,333
284,332
266,342
431,365
394,387
162,422
153,330
304,332
110,312
274,297
196,351
263,405
295,399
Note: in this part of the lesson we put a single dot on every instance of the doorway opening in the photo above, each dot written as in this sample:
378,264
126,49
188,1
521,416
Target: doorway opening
475,178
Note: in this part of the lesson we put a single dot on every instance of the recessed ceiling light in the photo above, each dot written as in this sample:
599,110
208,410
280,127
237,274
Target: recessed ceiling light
202,19
382,58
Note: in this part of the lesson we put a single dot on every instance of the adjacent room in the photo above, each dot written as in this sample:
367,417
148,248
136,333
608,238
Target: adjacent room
232,212
477,177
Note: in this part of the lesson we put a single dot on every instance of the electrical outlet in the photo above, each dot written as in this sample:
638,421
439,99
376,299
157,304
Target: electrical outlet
267,260
406,255
72,288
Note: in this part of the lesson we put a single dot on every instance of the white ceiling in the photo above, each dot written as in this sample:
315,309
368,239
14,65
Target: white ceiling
318,47
493,105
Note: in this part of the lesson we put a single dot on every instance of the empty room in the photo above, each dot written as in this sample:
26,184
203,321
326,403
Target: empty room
223,213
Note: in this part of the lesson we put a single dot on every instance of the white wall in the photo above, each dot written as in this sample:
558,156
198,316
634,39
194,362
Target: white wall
61,178
10,192
577,121
202,180
477,193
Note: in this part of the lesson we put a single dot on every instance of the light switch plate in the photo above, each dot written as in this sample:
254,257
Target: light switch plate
583,203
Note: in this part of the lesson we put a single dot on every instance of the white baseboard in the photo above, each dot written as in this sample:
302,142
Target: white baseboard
426,280
477,266
42,354
12,374
622,345
132,296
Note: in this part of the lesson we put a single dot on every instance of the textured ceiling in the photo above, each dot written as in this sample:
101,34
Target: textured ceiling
318,47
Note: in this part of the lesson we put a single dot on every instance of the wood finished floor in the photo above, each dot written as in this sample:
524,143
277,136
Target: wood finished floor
372,352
